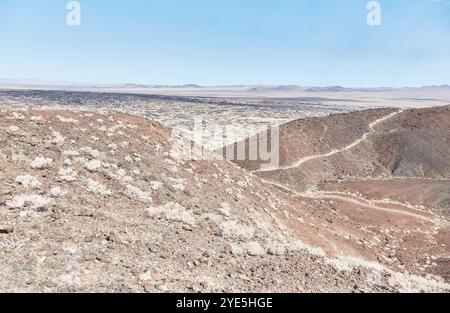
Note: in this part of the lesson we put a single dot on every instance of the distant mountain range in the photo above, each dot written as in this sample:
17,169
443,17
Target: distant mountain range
5,82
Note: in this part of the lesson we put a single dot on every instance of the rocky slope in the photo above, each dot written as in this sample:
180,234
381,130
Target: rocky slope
382,176
95,201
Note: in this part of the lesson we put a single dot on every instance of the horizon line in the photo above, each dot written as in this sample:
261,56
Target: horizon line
30,82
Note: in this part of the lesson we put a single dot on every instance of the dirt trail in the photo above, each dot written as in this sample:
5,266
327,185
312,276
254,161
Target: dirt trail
371,206
335,151
366,204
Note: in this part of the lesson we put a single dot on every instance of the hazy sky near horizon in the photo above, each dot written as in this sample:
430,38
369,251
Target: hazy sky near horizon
223,42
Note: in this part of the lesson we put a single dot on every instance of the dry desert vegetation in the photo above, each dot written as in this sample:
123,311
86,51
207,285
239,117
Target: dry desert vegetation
93,200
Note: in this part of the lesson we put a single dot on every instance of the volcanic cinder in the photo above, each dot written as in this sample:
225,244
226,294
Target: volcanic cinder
92,199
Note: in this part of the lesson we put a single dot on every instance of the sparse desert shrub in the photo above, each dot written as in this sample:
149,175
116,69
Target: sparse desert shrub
97,188
36,202
404,282
171,165
136,193
92,152
237,249
215,218
225,209
95,153
71,153
41,163
113,146
178,183
28,181
235,230
66,120
18,116
276,248
35,118
341,265
93,165
252,248
298,246
156,185
13,129
172,212
407,283
117,127
120,176
56,192
57,138
67,175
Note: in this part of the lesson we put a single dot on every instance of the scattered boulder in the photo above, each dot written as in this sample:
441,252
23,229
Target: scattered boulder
6,229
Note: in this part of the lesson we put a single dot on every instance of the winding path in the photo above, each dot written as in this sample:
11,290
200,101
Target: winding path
363,203
335,151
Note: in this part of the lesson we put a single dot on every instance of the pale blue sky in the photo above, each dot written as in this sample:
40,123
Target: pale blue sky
213,42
